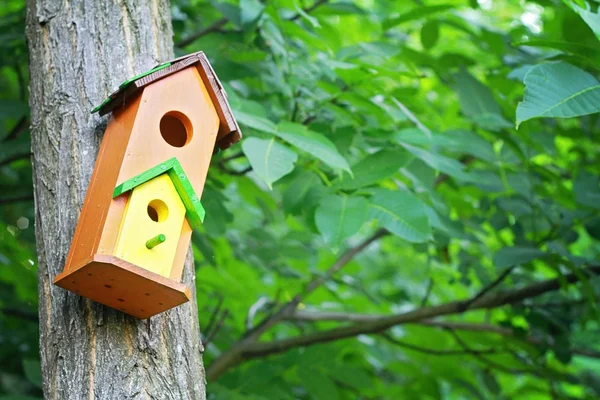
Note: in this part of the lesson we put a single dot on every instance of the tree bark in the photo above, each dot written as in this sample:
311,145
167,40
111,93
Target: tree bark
79,52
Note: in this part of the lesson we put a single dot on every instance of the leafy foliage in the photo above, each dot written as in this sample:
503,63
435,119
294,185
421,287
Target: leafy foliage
381,173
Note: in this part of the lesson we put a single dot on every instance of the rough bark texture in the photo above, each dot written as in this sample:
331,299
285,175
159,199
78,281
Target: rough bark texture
79,52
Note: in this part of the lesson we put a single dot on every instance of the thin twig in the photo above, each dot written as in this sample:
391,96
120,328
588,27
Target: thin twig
213,315
499,330
218,326
234,172
15,312
21,80
16,199
195,36
492,285
435,352
19,127
15,157
232,157
427,293
484,360
307,10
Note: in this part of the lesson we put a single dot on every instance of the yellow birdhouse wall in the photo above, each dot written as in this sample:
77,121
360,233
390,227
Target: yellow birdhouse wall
154,208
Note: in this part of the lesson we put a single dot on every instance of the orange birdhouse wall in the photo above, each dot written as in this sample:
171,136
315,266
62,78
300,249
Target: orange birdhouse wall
134,230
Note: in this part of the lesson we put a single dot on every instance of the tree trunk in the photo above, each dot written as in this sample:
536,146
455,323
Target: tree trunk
79,52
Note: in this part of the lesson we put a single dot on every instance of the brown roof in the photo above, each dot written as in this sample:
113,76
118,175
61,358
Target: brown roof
229,131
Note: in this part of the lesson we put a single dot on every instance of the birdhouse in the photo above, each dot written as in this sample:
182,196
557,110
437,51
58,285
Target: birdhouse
143,200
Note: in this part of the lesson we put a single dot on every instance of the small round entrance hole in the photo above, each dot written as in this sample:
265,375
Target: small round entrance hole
176,129
158,210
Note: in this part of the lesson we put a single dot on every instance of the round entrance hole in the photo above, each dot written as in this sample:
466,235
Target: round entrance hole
158,210
176,129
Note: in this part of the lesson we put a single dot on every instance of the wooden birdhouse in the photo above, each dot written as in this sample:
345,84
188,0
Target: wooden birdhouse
143,200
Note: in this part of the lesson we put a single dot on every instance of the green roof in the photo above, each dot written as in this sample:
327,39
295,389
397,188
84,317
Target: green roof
194,210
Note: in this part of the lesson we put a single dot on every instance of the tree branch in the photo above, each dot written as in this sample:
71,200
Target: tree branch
301,315
247,349
195,36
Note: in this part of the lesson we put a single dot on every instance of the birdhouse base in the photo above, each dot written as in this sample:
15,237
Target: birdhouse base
124,286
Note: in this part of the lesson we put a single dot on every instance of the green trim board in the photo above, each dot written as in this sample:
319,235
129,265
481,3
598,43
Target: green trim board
194,211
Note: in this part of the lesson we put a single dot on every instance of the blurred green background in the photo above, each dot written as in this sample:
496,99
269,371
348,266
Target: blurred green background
360,115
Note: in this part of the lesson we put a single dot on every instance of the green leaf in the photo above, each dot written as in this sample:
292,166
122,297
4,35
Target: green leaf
478,102
17,397
402,213
255,122
217,215
465,142
376,167
250,11
442,163
12,108
430,33
593,228
229,11
33,372
339,217
416,13
296,192
353,376
509,256
313,143
269,159
558,90
590,18
587,189
15,149
319,385
588,52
